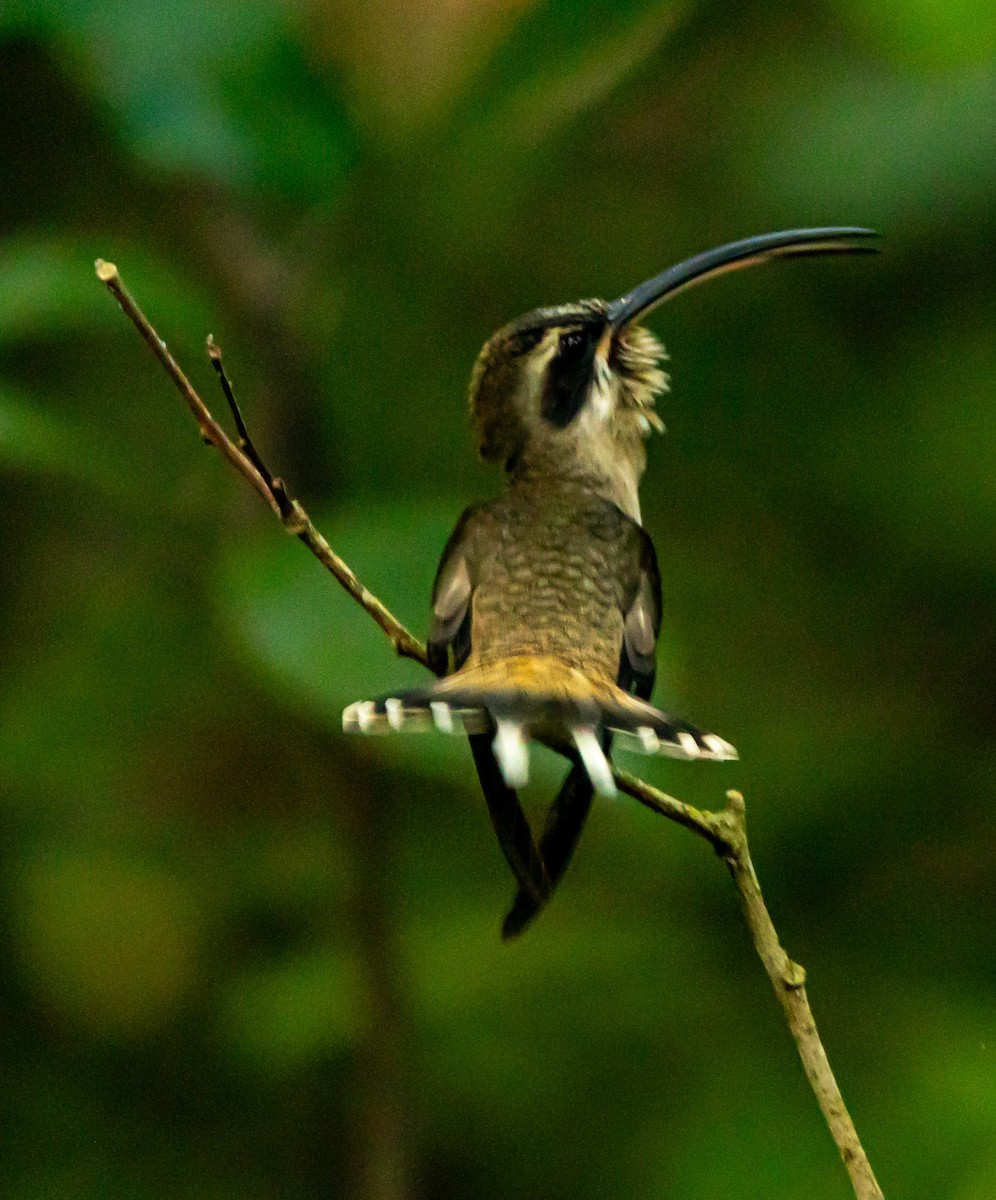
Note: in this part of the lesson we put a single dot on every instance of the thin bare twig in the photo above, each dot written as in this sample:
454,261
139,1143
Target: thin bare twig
725,830
789,981
245,460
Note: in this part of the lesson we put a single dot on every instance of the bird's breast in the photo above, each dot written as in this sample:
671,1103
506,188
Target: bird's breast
549,584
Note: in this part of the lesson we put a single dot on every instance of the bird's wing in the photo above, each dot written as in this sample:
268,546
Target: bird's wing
448,643
641,622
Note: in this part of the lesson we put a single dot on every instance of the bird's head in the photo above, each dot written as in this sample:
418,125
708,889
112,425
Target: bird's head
572,389
564,390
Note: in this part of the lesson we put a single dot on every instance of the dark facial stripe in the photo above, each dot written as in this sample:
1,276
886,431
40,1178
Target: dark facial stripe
569,375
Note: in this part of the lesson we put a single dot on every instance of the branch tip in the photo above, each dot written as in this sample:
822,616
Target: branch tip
106,271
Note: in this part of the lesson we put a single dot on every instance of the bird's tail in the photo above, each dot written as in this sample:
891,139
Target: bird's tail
542,698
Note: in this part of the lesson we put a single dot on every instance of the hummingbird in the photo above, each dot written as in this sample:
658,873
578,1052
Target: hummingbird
546,606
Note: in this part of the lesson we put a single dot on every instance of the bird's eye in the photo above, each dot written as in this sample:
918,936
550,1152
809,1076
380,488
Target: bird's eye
572,344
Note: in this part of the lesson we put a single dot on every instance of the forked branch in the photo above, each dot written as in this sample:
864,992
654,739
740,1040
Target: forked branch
725,831
246,461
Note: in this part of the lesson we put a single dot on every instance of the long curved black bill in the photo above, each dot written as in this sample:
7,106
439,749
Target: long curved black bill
734,256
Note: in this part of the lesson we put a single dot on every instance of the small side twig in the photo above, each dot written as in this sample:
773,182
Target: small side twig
246,461
275,486
725,831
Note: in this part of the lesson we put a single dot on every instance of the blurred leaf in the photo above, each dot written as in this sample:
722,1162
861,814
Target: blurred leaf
77,708
921,458
921,33
293,868
298,629
111,944
46,288
34,440
405,63
302,140
164,86
560,61
950,1133
900,156
515,1013
284,1015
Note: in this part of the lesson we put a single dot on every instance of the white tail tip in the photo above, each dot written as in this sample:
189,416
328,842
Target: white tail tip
358,717
720,749
688,744
511,754
649,740
595,762
442,716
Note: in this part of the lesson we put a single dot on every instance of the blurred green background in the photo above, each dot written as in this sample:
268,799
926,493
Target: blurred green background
244,956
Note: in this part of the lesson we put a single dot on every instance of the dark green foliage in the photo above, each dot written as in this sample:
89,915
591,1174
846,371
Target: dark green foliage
238,945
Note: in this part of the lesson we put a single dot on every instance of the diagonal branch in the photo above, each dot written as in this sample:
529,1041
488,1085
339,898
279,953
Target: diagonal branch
725,831
246,461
